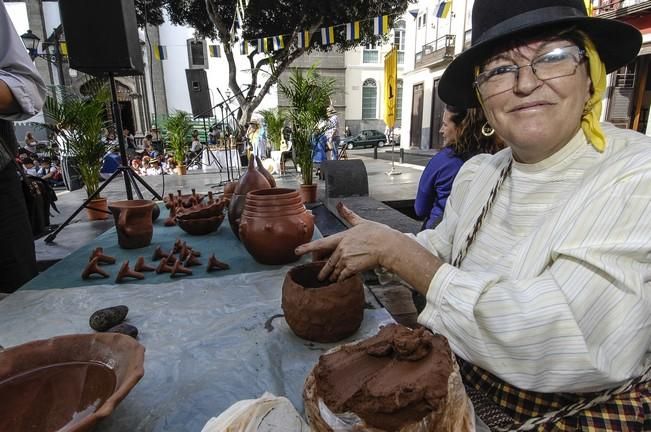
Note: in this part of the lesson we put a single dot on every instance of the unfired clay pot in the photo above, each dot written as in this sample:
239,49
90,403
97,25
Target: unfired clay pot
133,222
251,180
44,383
271,233
322,311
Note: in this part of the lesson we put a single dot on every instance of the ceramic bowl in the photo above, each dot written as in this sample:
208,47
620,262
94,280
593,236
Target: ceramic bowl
200,226
67,383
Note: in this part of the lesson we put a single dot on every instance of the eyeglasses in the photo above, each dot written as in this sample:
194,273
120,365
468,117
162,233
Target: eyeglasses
556,63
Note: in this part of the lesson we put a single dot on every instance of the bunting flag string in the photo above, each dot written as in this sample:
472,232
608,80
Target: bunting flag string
244,48
160,53
380,25
215,51
328,35
352,31
279,43
303,39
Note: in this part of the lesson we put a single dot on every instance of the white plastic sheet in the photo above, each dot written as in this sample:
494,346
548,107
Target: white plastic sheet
209,343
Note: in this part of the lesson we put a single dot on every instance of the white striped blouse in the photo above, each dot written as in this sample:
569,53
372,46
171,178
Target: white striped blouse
555,292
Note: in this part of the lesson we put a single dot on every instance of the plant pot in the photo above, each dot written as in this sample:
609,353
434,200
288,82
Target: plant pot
308,193
181,170
100,204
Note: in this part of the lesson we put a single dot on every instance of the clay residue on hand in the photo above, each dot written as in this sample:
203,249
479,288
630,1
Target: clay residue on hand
390,380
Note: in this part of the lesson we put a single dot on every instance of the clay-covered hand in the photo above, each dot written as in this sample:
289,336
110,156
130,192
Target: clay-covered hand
364,246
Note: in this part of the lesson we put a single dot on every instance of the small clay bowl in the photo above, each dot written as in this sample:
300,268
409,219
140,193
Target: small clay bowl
201,226
322,311
44,383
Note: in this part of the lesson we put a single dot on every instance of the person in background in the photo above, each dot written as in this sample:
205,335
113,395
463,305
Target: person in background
129,139
110,163
154,168
31,143
29,167
50,173
22,92
347,132
462,139
539,274
332,134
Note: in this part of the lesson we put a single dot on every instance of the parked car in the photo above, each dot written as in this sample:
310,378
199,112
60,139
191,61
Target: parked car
366,138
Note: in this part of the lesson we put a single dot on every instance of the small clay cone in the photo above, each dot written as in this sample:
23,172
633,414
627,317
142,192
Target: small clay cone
163,267
192,251
101,258
158,254
170,257
214,264
126,272
191,261
170,201
141,266
171,218
93,268
179,270
178,244
184,252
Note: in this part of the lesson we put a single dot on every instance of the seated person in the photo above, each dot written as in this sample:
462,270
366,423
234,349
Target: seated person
154,167
110,163
136,163
50,173
29,166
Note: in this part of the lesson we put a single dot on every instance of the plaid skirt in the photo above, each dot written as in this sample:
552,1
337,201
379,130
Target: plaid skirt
504,407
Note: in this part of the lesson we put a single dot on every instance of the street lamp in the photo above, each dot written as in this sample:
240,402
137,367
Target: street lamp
31,41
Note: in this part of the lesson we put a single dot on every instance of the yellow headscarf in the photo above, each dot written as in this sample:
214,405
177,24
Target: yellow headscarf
592,113
590,121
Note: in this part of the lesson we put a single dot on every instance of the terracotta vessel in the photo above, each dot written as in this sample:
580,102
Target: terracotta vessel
201,219
271,235
322,311
101,204
67,382
252,180
229,189
133,222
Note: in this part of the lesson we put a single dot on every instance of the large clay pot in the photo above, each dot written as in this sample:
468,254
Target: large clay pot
101,204
251,180
133,222
322,311
271,236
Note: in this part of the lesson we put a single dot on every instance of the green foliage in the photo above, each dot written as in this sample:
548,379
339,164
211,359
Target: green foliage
178,127
77,121
274,120
309,95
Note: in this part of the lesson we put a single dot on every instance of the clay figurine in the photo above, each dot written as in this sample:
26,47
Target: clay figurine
179,270
126,272
191,261
158,254
215,265
102,259
170,257
163,267
93,268
141,266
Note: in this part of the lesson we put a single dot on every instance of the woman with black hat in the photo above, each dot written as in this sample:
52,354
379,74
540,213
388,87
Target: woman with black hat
539,274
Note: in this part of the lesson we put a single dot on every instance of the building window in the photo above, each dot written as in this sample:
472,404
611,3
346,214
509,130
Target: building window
399,40
197,54
399,101
370,54
369,99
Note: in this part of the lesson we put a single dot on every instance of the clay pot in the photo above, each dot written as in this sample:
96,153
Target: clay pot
133,222
99,204
45,383
229,189
271,233
181,170
308,193
200,226
252,180
155,213
322,311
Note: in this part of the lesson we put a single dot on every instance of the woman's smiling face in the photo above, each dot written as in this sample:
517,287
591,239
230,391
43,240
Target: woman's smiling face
535,117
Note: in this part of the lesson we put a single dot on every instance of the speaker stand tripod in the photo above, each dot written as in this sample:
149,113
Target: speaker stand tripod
130,176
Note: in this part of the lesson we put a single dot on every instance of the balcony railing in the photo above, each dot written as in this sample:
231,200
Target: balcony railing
436,52
620,8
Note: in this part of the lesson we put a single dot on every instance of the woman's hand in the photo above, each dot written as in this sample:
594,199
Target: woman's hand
367,245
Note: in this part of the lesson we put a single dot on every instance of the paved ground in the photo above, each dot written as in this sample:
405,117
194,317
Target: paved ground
80,231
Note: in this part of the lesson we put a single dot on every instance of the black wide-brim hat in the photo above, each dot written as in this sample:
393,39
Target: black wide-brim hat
497,22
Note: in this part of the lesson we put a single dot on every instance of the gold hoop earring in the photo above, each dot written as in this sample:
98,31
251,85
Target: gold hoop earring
487,130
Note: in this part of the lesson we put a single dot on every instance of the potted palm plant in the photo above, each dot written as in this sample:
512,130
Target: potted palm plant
308,95
178,127
77,122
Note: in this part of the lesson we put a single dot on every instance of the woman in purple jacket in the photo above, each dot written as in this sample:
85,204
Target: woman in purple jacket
461,130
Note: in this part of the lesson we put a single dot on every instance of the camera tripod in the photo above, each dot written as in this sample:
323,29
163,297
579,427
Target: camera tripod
129,175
